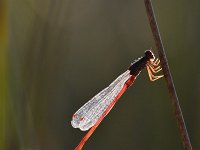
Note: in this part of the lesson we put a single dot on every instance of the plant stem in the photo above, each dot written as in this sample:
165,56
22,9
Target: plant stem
168,78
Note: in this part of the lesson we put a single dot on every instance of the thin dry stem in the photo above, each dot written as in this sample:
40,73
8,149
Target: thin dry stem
166,71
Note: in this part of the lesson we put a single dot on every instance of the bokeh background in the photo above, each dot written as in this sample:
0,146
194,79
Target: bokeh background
56,54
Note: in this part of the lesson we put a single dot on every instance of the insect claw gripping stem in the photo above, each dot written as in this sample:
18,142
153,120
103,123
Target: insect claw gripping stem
156,62
151,76
151,68
155,70
154,67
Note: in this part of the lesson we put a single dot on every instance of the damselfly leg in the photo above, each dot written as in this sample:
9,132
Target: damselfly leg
156,62
152,67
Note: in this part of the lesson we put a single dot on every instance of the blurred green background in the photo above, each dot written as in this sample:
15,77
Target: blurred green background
56,54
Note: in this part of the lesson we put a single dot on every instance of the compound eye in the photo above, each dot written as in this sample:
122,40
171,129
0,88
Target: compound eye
149,54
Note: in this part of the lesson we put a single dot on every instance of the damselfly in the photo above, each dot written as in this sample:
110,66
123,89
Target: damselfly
92,113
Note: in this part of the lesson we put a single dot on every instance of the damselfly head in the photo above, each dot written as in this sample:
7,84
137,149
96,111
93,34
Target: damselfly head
149,55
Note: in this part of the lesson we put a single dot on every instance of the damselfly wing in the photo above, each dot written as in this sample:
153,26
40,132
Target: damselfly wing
92,113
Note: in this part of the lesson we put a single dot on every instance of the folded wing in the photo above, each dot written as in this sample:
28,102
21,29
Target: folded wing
89,113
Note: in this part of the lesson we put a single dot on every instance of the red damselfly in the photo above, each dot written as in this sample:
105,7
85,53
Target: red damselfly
92,113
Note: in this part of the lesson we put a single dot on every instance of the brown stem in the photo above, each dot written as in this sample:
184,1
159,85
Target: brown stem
168,78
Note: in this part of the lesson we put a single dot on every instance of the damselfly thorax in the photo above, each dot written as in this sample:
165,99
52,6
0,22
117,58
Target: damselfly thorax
148,61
